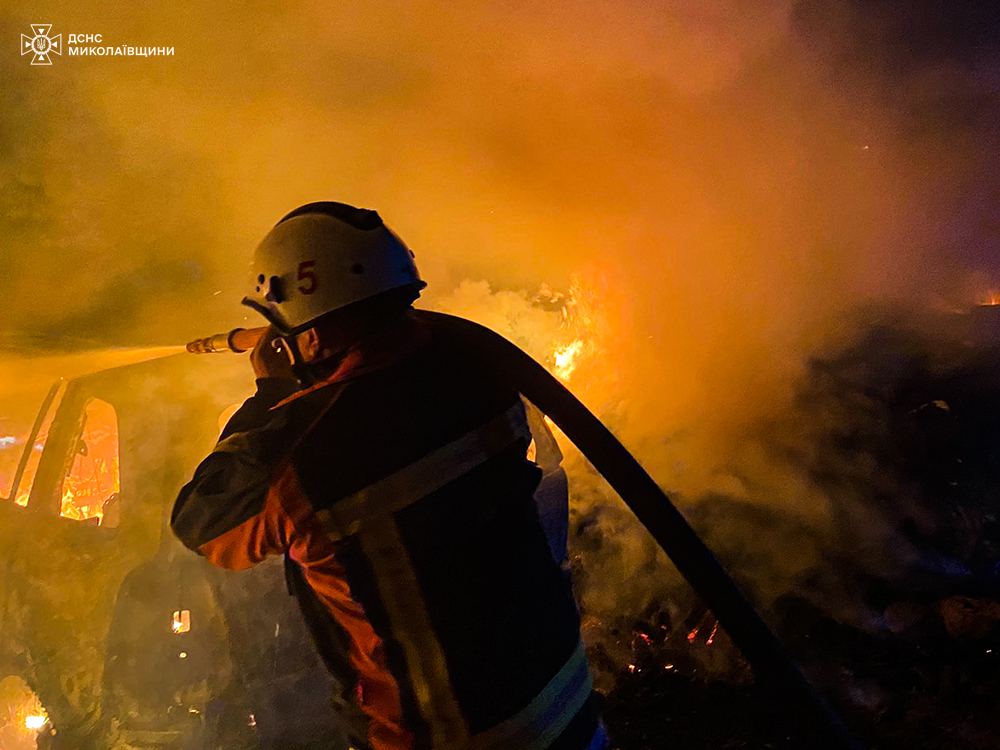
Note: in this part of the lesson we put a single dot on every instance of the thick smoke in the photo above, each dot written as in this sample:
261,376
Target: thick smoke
734,178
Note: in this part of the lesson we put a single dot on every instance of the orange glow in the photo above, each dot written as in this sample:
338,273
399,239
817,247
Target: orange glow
181,621
586,335
711,637
31,468
566,359
22,715
94,477
992,298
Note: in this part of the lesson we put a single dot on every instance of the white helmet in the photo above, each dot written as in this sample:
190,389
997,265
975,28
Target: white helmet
322,257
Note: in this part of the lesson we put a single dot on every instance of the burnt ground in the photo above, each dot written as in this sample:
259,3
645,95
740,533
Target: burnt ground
901,431
939,692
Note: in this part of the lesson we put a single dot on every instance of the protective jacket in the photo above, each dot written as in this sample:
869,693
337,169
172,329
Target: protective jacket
400,488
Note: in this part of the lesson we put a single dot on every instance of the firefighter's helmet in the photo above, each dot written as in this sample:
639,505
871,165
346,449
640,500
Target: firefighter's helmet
323,257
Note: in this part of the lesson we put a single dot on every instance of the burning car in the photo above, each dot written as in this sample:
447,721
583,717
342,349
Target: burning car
127,639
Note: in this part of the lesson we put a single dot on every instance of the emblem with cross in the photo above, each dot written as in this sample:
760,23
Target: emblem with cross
42,45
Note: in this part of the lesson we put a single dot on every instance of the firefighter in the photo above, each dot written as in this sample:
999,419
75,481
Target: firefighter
390,468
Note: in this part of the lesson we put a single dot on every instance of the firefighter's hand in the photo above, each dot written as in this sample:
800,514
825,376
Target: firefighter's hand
269,363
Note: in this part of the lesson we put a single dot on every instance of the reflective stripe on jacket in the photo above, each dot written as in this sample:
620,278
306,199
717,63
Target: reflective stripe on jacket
401,488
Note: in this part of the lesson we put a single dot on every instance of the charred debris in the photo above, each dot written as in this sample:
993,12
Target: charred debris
899,622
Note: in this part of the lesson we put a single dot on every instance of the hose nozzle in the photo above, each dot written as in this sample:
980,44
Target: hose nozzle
237,340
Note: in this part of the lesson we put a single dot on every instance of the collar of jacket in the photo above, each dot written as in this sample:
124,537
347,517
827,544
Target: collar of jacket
384,349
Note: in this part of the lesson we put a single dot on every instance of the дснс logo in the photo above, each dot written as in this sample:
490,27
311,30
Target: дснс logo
42,45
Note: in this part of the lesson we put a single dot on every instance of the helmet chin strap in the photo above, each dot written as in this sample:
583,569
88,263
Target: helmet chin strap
300,368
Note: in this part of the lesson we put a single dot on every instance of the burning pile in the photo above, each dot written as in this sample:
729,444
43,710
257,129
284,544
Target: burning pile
894,607
898,621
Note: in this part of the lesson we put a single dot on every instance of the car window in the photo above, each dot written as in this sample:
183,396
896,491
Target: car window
93,481
12,450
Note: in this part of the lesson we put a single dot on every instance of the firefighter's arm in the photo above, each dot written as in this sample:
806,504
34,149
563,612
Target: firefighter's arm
232,510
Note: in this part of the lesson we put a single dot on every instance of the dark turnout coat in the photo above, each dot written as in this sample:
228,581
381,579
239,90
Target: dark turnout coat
400,488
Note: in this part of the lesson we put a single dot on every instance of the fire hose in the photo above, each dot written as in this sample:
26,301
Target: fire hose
773,666
238,340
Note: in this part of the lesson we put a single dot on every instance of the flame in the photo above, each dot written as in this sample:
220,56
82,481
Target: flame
93,477
566,358
26,714
586,335
992,298
181,621
575,332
